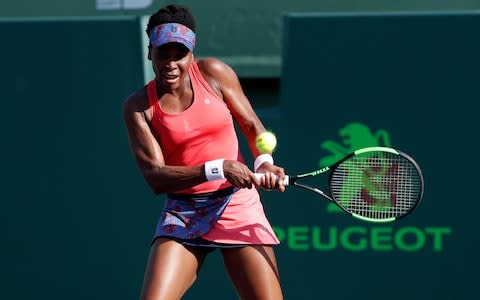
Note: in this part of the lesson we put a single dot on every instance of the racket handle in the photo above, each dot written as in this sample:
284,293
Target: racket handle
286,180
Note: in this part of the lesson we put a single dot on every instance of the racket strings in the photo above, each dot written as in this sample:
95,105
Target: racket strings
377,186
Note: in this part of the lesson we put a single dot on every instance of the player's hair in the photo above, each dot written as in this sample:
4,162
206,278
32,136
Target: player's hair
173,13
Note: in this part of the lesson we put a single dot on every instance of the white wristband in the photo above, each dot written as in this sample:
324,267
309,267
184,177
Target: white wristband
214,169
261,159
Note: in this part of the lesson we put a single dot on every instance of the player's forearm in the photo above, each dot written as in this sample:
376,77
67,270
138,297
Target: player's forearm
251,130
169,179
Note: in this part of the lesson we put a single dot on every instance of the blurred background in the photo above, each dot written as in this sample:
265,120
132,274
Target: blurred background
328,77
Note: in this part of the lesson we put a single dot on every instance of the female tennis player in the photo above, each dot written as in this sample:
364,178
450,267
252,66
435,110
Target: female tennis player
181,132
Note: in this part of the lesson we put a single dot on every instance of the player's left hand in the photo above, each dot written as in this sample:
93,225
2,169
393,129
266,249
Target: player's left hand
273,177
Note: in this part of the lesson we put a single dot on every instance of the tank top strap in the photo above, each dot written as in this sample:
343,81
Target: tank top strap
153,98
199,82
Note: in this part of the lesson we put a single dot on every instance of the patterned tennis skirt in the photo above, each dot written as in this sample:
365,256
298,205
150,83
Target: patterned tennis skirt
227,218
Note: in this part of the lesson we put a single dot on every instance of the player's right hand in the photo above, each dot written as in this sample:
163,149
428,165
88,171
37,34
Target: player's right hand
239,175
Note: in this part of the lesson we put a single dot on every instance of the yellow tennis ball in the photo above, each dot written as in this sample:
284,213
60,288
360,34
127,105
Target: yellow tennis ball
266,142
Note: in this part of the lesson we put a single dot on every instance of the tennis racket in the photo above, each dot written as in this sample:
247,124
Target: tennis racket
375,184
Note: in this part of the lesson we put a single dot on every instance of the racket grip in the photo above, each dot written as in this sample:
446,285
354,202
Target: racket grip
286,180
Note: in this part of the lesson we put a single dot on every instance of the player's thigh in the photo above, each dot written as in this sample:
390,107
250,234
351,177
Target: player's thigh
254,272
171,269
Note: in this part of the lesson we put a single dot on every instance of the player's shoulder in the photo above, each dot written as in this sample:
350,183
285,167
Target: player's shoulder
136,101
214,67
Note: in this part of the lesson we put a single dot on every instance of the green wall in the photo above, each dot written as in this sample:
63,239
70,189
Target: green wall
76,217
246,34
404,80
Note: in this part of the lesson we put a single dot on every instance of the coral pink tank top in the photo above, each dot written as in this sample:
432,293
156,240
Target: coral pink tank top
202,132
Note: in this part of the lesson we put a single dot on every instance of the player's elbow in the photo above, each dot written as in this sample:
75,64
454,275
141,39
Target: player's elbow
155,186
154,180
157,191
